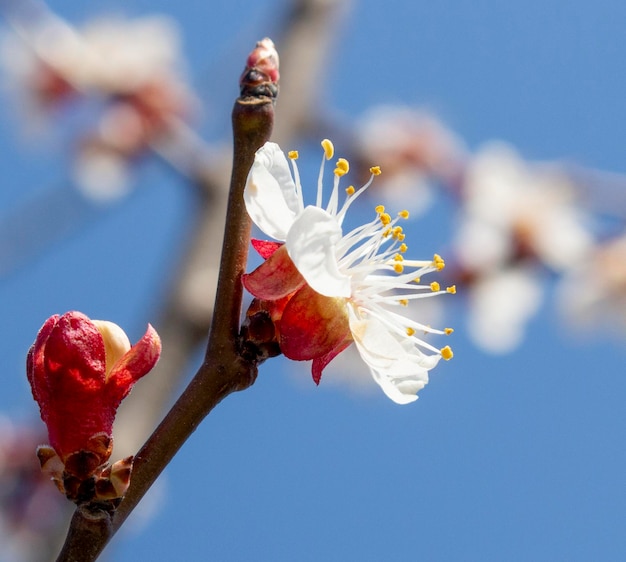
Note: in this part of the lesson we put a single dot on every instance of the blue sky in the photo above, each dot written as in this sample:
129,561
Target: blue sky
517,457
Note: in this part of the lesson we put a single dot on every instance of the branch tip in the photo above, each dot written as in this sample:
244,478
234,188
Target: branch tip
261,75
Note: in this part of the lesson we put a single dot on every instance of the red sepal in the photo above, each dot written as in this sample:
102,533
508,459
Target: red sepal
312,325
275,278
265,248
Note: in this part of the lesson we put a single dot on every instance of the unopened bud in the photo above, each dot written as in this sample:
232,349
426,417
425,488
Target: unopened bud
260,77
258,332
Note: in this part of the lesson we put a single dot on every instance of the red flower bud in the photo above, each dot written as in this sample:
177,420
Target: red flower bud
79,371
261,75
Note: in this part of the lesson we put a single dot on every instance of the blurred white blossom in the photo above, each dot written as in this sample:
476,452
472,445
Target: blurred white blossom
133,69
518,221
31,509
594,293
413,148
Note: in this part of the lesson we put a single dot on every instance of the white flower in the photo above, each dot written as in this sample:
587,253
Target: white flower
364,268
510,203
112,55
593,294
519,221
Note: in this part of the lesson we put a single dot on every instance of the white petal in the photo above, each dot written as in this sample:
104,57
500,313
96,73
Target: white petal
311,244
270,194
501,305
398,367
116,342
394,390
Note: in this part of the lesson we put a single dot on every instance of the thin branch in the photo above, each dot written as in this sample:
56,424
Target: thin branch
224,370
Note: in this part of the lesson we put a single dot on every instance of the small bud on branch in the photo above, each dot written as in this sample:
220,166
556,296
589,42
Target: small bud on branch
260,77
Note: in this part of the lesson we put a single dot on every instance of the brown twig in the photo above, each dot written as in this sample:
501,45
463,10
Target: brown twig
224,370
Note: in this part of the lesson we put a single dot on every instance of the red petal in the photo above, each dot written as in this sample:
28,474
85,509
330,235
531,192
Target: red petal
319,363
313,325
75,346
35,371
265,248
70,368
275,278
136,362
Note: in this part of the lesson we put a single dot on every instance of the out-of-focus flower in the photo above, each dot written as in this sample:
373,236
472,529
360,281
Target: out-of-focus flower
511,207
132,67
518,221
414,148
501,305
107,57
598,298
325,289
31,511
79,371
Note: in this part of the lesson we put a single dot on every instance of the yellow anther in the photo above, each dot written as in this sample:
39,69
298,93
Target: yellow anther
350,190
448,331
438,262
404,214
385,218
446,353
293,154
398,257
403,248
418,279
375,170
342,167
434,286
380,209
451,289
386,232
404,302
410,331
398,268
397,233
329,149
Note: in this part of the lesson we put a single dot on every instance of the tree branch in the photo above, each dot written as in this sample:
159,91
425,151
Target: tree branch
224,370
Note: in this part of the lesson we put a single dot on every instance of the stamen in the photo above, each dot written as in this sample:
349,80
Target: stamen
320,177
404,214
398,257
375,170
438,262
448,331
410,331
385,219
451,289
398,268
404,302
296,176
434,286
397,233
342,167
446,353
350,200
293,154
380,209
403,248
350,190
329,149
